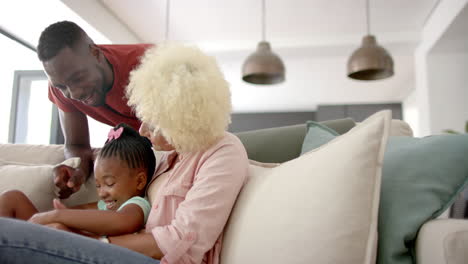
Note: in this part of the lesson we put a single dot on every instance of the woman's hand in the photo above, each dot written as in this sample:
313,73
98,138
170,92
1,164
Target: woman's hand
44,218
142,242
59,226
59,205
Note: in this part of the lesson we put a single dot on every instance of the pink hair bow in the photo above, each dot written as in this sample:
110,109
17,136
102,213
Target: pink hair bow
115,134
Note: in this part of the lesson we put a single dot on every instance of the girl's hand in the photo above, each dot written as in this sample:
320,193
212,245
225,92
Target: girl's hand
59,205
59,226
44,218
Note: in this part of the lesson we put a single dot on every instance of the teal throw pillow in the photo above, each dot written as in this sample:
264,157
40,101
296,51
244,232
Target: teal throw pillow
317,134
421,178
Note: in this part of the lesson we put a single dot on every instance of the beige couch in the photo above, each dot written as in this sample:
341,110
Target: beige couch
439,241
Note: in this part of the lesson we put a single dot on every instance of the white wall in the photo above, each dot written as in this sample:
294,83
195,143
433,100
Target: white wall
448,89
411,112
432,89
315,75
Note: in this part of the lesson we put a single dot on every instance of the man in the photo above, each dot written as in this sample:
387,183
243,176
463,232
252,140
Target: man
85,79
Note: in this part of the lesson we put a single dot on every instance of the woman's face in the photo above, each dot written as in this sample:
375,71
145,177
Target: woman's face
156,138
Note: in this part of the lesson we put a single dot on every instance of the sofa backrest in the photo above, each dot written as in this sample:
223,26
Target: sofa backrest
32,153
280,144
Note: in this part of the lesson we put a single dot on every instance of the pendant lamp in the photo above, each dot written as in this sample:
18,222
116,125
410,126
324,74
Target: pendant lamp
370,61
263,66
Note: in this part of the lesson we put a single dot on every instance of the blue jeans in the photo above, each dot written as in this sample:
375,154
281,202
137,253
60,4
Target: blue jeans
23,242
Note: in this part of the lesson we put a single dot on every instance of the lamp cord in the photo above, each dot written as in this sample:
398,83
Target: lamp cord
166,34
263,21
367,17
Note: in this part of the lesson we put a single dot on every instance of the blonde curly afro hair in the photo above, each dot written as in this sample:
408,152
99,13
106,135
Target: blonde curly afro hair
182,92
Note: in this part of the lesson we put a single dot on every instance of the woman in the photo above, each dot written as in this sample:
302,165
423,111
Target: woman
184,103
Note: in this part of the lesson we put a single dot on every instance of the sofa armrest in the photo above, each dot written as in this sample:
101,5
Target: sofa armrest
443,241
32,154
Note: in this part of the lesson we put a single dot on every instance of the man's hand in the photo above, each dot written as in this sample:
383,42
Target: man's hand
68,180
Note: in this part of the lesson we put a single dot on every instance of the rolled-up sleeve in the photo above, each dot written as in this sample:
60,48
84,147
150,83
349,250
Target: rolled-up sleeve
200,218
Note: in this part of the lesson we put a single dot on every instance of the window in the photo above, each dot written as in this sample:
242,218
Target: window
33,118
14,56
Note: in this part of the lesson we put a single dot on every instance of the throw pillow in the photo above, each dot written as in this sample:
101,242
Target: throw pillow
36,181
400,128
313,209
421,178
316,134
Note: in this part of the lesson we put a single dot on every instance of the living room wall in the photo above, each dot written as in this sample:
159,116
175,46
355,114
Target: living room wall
315,75
448,88
440,71
447,66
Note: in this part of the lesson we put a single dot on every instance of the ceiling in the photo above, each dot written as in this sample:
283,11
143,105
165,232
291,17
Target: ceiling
236,24
313,37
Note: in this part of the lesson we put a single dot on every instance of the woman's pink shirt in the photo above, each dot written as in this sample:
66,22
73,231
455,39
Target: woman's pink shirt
192,207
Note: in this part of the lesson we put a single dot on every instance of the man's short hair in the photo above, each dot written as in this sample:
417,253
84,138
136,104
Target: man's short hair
56,37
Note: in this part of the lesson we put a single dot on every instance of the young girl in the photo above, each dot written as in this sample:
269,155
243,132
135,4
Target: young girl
122,170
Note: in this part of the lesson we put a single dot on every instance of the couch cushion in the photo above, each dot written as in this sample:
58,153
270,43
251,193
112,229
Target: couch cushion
263,144
443,241
36,181
313,209
341,126
260,144
32,154
421,179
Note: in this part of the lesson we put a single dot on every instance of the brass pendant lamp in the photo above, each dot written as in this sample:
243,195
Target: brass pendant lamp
370,61
263,66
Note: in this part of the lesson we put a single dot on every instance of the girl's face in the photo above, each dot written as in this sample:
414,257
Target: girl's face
156,138
116,182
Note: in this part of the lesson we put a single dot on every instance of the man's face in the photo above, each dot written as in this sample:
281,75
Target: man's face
78,74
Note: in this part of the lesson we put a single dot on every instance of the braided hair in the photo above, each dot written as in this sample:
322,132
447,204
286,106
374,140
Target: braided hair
131,148
56,37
